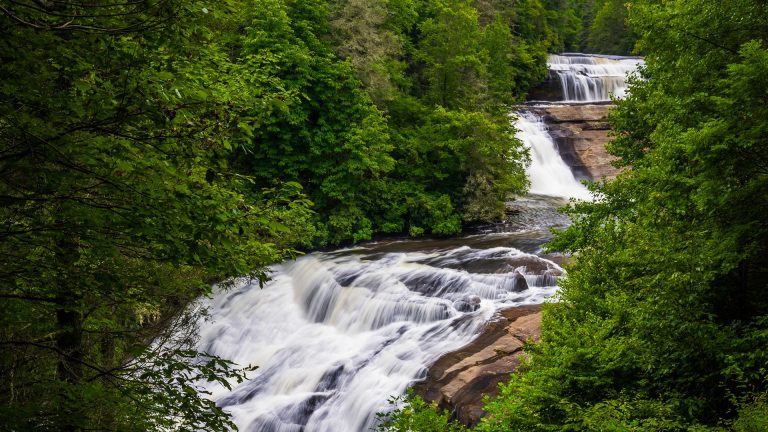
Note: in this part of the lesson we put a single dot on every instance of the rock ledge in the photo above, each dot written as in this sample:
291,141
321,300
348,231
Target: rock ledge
581,132
458,381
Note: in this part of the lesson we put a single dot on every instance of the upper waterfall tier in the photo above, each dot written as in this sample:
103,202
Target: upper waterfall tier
586,78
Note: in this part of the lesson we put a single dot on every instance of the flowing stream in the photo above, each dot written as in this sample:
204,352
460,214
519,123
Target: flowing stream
335,334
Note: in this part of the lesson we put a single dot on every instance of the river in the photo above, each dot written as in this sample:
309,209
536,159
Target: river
335,334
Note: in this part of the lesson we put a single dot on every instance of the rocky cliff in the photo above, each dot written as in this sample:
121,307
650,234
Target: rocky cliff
459,380
581,132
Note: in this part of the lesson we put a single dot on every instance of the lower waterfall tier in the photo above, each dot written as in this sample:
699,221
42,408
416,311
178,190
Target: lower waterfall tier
336,334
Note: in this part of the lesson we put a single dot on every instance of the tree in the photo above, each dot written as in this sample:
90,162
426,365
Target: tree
608,32
119,208
315,126
567,25
450,49
363,38
514,64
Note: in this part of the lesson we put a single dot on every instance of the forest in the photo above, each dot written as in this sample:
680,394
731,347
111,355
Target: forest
151,148
661,323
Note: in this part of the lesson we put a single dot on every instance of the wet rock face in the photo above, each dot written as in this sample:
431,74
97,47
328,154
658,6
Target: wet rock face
469,303
549,90
581,133
505,264
458,381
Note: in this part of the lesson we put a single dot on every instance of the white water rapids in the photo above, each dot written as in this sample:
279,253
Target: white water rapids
335,334
592,78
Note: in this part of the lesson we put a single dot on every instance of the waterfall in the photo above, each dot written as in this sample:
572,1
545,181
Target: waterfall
336,334
548,174
583,79
592,78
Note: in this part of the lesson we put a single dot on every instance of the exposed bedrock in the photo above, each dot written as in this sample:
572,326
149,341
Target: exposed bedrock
581,132
458,381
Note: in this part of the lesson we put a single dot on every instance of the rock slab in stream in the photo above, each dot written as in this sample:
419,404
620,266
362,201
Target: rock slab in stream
458,381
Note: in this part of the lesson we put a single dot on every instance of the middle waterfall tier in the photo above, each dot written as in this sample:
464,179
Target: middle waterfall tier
548,173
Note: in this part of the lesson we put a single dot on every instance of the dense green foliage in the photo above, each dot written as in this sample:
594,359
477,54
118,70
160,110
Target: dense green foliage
593,26
149,148
662,323
425,144
372,140
609,32
118,207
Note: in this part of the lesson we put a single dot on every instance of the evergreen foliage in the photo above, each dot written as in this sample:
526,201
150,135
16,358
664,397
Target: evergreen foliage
662,321
119,206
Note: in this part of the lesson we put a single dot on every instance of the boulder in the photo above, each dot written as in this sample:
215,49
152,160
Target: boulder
519,284
469,303
502,264
458,381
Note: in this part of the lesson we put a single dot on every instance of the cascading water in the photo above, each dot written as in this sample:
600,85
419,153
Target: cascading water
583,79
592,78
335,334
548,174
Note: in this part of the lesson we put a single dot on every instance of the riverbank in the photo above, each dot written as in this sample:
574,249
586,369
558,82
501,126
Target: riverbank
459,380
